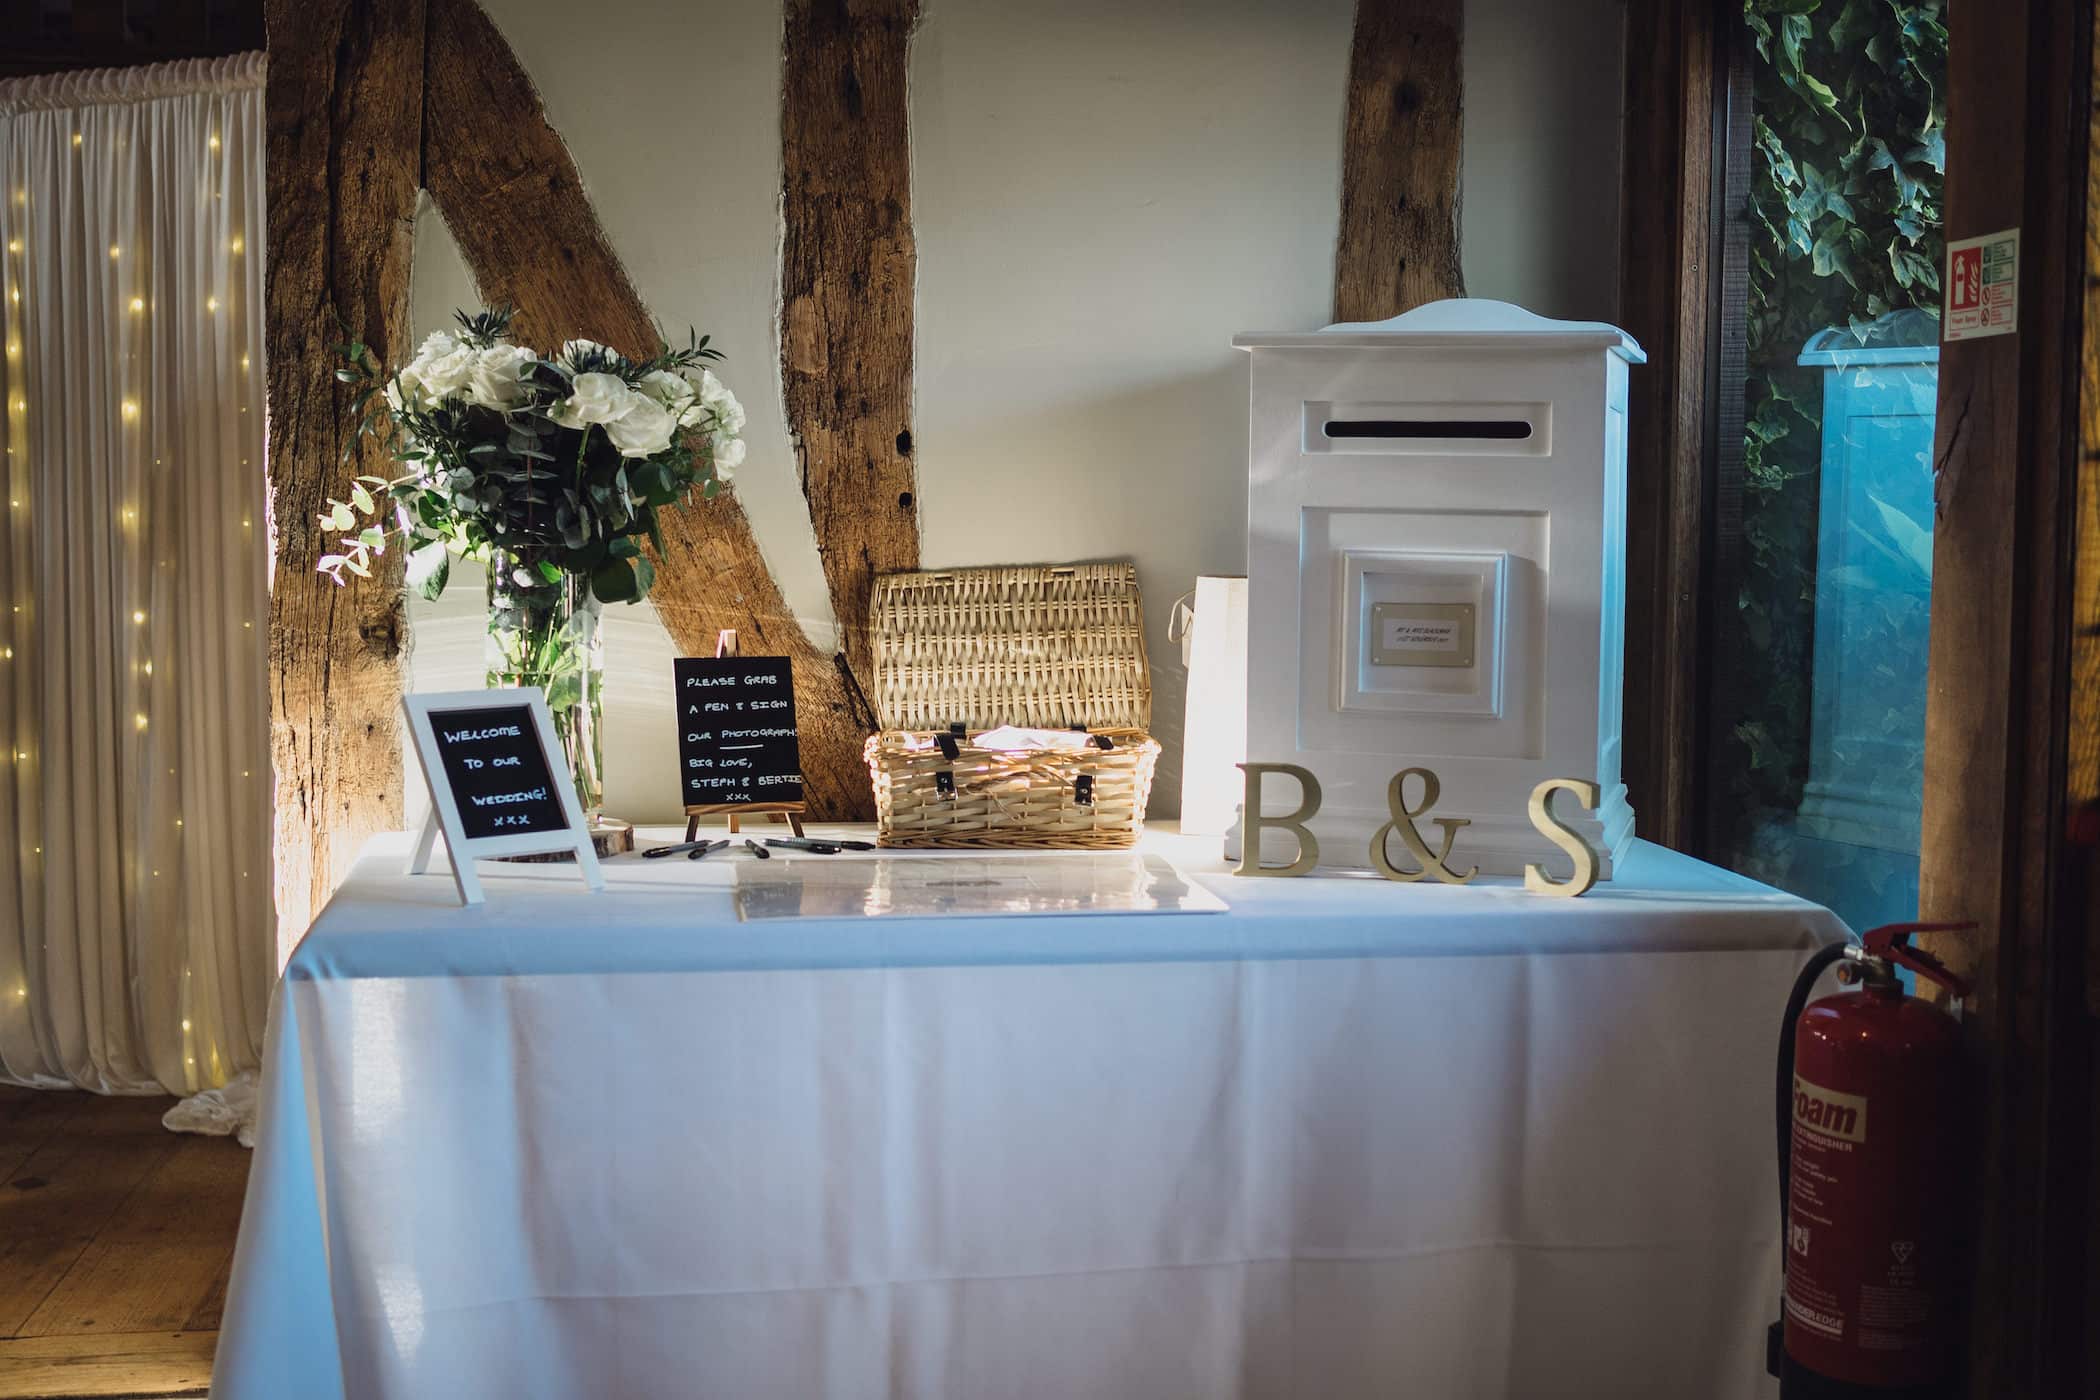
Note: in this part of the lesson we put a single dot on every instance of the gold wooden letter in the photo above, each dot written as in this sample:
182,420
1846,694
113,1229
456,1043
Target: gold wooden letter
1431,863
1535,878
1253,823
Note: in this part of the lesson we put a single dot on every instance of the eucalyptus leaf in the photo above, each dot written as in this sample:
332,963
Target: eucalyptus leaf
429,568
614,582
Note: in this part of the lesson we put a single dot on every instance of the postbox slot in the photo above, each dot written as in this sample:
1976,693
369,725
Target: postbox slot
1428,428
1486,429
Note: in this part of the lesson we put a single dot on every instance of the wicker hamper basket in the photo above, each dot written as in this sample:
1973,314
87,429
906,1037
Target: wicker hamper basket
1044,647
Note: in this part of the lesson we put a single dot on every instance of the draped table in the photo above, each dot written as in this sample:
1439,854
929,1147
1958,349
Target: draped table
1348,1139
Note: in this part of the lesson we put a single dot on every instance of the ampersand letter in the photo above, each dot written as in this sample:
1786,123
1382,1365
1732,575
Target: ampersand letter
1403,822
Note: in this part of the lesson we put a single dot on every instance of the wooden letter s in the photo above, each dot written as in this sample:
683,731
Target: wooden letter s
1535,878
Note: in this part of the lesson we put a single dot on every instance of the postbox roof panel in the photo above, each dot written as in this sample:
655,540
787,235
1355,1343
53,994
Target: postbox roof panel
1469,322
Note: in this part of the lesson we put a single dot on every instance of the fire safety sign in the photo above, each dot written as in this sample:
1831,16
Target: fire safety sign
1983,286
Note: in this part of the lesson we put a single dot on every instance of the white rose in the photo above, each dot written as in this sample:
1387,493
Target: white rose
445,376
644,430
494,381
728,456
594,398
436,345
716,404
667,389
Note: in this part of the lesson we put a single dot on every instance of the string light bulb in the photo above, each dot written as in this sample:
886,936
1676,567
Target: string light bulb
138,616
138,305
131,410
211,304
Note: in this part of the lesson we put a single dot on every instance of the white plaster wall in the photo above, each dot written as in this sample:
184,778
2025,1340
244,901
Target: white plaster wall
1539,192
1103,193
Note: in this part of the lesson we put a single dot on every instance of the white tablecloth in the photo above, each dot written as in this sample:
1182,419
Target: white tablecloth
1350,1139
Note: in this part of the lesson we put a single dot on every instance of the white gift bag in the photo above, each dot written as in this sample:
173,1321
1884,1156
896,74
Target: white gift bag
1214,738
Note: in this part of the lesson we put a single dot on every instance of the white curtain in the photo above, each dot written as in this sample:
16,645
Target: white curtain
136,940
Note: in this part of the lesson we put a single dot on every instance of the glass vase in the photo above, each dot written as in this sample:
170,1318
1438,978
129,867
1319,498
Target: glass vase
547,634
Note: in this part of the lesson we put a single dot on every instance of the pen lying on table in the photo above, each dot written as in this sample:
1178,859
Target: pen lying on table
818,846
674,849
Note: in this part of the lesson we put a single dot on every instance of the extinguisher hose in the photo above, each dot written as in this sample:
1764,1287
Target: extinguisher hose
1796,1003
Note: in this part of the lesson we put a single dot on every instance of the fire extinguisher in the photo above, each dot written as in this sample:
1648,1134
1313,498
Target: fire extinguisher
1868,1149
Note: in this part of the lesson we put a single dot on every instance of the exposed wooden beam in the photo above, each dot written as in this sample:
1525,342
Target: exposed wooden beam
848,267
1398,244
512,197
344,106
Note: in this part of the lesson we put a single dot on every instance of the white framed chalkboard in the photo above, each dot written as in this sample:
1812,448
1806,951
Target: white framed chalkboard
498,785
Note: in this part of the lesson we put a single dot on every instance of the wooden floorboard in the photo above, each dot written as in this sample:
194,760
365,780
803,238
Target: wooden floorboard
57,1201
28,1119
112,1364
157,1261
116,1238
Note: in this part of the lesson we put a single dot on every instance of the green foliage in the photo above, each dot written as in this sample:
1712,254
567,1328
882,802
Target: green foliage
1844,214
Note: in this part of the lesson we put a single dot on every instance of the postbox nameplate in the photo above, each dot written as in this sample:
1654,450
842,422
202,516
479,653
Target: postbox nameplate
1421,634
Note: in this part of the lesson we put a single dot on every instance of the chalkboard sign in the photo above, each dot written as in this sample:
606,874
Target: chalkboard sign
499,774
736,732
498,786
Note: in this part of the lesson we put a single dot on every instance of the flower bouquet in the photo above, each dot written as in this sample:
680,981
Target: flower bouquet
548,470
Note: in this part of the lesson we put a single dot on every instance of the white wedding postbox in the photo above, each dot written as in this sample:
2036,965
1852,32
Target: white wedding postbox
1436,521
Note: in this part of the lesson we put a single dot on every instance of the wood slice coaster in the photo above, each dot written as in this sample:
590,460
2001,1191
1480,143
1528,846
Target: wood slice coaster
609,835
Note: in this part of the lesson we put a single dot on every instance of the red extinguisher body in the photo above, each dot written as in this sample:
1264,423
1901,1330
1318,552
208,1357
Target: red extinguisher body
1873,1182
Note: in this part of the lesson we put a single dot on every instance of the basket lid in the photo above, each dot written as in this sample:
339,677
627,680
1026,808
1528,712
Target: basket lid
1044,645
